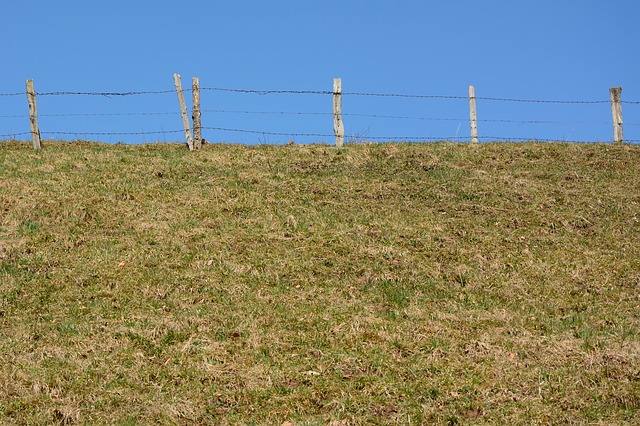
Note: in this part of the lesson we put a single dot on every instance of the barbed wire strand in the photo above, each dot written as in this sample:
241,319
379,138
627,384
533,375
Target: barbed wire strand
96,114
113,114
460,119
15,134
400,95
410,117
352,138
316,92
113,133
399,138
321,92
106,94
269,92
272,133
259,132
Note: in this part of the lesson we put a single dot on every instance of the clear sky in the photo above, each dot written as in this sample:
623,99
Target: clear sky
538,50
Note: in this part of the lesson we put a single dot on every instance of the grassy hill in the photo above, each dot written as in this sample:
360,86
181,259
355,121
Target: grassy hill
374,284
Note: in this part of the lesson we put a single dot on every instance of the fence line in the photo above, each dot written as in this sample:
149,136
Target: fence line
337,115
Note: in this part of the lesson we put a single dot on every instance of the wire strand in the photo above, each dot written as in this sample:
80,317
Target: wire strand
105,94
268,92
221,111
15,134
259,132
112,114
350,138
401,95
540,101
113,133
317,92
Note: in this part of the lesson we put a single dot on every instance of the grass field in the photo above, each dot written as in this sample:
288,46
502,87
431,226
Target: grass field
308,285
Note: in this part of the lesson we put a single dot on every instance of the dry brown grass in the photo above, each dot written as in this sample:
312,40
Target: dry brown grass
375,284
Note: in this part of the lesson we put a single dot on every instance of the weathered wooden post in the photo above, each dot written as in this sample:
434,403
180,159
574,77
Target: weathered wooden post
183,110
195,114
338,125
473,114
33,115
616,112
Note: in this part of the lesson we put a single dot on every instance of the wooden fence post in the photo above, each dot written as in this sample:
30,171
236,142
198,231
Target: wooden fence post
616,112
183,110
473,114
33,115
195,114
338,125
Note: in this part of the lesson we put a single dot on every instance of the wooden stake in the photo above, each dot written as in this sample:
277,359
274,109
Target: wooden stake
183,110
33,115
338,125
616,112
473,114
195,114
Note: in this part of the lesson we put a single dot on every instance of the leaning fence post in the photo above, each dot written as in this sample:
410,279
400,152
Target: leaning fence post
33,115
338,125
195,114
183,110
473,114
616,112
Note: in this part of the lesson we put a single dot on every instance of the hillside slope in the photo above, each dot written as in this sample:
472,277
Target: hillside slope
375,284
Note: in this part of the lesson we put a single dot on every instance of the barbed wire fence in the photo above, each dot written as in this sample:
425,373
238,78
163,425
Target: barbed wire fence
221,132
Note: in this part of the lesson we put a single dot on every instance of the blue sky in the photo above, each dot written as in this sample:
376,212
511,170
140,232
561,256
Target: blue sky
541,50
